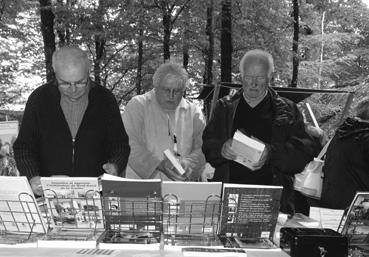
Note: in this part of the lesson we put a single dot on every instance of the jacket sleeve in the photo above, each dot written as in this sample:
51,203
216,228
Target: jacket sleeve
294,147
141,160
118,146
196,158
212,140
26,146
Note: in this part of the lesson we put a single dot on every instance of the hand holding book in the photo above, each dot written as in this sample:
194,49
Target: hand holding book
174,169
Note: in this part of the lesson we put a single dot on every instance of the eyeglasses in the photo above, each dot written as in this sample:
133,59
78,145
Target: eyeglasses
259,80
78,84
171,91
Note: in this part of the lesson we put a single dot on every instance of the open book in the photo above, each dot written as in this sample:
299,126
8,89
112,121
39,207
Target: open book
168,153
248,150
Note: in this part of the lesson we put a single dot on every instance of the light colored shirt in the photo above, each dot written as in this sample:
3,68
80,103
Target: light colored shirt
151,129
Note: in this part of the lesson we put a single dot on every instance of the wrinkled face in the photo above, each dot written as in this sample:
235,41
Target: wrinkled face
169,92
255,80
72,81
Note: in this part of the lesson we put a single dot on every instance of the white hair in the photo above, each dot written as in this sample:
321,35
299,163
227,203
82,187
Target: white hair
257,56
169,68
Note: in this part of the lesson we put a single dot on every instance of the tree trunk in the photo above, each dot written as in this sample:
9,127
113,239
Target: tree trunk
99,43
321,52
139,60
209,53
186,37
226,45
47,30
167,31
295,44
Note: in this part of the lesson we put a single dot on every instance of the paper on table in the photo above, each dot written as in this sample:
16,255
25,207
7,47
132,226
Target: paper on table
329,218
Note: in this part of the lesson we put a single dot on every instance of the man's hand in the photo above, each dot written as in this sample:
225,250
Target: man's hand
227,151
110,168
168,169
35,183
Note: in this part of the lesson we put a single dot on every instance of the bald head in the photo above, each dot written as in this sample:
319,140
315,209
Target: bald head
70,63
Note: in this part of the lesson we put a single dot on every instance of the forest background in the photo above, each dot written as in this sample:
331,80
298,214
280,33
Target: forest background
317,44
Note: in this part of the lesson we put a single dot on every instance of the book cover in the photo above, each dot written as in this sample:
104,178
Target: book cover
20,216
73,202
191,207
248,150
131,207
249,211
168,153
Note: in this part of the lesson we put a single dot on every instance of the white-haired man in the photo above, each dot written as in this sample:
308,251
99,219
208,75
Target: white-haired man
162,119
258,111
71,126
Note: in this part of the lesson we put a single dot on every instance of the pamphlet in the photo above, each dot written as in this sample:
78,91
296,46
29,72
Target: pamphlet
73,202
250,211
248,150
168,153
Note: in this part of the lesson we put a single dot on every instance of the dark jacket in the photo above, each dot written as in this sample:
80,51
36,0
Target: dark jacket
346,167
291,147
44,146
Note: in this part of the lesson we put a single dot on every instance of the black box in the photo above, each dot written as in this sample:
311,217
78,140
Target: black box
313,242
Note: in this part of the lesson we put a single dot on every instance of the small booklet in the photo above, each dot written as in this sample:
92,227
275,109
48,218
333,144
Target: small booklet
168,153
248,150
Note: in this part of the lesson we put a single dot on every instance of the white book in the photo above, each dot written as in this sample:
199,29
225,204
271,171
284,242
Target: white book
168,153
248,150
19,212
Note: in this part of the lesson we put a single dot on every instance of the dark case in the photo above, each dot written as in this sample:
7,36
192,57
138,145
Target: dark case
313,242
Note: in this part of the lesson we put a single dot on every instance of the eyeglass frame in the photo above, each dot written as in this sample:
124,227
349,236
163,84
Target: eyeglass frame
168,91
67,85
250,79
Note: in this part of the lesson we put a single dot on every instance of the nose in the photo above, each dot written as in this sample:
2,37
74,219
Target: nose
73,87
171,94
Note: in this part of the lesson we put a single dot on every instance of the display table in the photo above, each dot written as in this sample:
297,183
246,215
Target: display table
61,252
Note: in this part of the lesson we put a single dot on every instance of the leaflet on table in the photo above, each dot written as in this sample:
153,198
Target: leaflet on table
248,150
249,211
73,202
19,212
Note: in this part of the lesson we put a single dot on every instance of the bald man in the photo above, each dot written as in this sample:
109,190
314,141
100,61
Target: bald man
71,126
259,112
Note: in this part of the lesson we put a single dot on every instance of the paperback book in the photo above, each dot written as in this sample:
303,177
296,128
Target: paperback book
249,213
20,218
248,150
168,153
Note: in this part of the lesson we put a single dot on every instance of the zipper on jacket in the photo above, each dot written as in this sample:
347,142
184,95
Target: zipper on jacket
73,141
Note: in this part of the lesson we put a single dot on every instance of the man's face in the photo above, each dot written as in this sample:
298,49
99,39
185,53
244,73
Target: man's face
169,92
255,80
72,82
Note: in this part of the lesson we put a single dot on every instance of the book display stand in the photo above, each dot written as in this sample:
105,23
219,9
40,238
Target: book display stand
77,220
20,220
191,222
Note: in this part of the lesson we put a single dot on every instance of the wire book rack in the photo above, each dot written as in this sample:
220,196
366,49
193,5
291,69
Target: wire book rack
73,216
20,219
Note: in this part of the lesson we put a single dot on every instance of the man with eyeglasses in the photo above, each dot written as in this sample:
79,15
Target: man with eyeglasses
259,112
162,119
71,126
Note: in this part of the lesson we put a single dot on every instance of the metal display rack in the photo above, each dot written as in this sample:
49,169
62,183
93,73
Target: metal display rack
132,220
73,218
191,222
20,220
